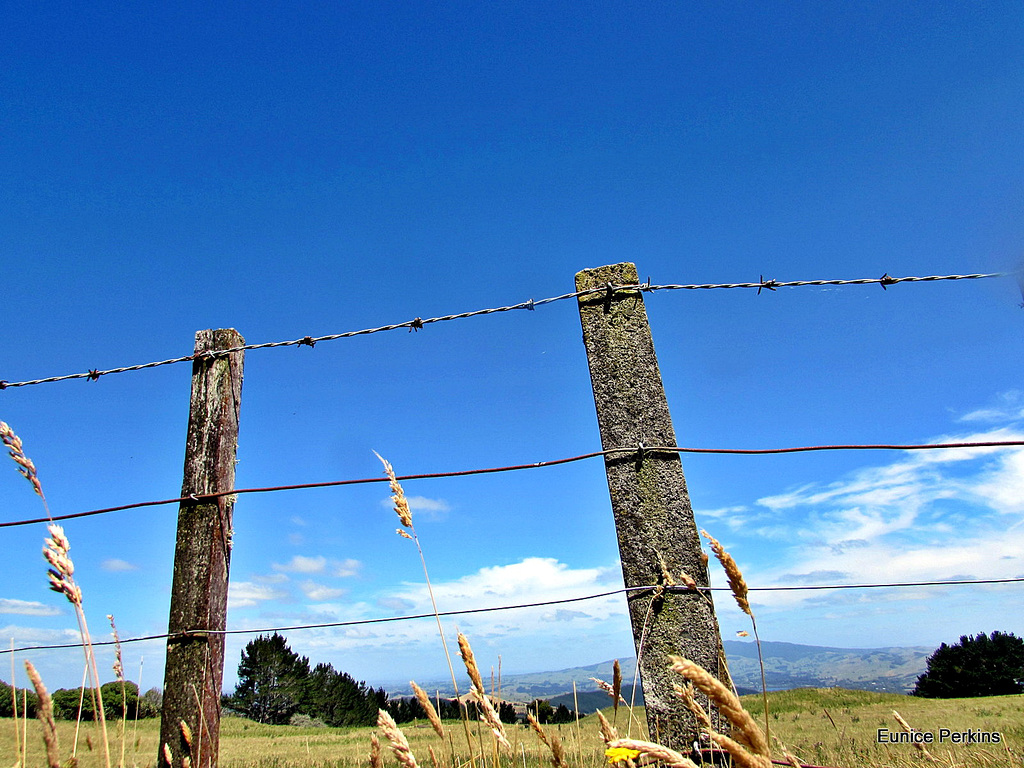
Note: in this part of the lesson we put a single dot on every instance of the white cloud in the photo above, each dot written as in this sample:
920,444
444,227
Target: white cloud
115,565
246,594
321,592
345,568
1009,406
27,608
302,564
271,578
928,515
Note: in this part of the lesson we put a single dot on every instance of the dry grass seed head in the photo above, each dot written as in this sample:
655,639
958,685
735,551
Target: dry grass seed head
732,572
608,731
491,717
61,573
25,465
396,739
470,661
609,688
44,712
917,745
557,752
375,759
538,729
397,494
688,695
428,707
118,661
746,730
740,756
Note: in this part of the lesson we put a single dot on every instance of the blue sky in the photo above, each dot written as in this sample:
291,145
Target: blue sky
289,171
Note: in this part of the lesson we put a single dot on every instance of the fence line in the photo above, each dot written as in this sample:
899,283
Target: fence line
417,323
463,612
640,450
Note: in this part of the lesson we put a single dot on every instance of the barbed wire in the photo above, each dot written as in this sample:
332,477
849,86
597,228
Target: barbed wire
641,450
540,604
418,323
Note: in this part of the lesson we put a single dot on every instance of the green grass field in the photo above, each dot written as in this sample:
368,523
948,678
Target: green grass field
825,726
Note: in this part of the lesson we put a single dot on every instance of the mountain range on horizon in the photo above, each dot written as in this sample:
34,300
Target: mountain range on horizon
787,665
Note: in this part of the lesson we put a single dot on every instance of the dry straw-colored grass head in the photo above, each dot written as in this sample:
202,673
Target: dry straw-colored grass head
62,571
17,452
401,503
732,572
396,739
428,707
745,729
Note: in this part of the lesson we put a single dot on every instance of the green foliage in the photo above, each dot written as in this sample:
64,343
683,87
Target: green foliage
275,684
507,712
151,703
120,700
7,708
542,710
979,665
336,699
272,680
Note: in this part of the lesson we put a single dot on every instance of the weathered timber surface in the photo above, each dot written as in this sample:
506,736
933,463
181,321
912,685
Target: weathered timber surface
653,517
194,670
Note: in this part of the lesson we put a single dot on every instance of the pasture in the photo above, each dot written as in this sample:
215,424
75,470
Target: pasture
824,726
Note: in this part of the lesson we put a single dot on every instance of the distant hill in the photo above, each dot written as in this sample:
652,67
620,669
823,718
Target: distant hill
787,665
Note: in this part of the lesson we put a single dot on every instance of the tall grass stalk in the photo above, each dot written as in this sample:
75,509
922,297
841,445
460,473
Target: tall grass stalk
408,531
61,573
740,592
18,761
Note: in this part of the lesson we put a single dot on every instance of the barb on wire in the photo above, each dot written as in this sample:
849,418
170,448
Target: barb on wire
417,323
641,450
539,604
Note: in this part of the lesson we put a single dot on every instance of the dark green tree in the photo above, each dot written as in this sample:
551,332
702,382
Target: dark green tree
66,700
337,699
542,710
118,702
6,706
507,712
272,680
562,715
979,665
151,703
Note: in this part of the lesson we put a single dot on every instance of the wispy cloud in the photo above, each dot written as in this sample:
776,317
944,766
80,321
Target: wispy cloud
28,608
115,565
246,594
924,516
567,632
345,568
321,592
1009,406
302,564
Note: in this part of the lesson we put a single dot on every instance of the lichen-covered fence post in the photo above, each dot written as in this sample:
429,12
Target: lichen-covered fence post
653,517
194,672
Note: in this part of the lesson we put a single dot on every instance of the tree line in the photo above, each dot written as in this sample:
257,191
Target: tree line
275,685
118,699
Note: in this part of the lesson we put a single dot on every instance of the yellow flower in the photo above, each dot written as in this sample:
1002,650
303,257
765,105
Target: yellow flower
618,754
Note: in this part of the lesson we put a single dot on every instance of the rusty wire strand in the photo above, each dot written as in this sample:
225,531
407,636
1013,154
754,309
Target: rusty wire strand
625,590
640,450
418,323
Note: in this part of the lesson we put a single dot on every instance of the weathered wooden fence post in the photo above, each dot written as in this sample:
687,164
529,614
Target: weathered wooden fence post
194,670
653,517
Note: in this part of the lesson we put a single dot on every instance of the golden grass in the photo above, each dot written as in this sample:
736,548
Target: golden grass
798,720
